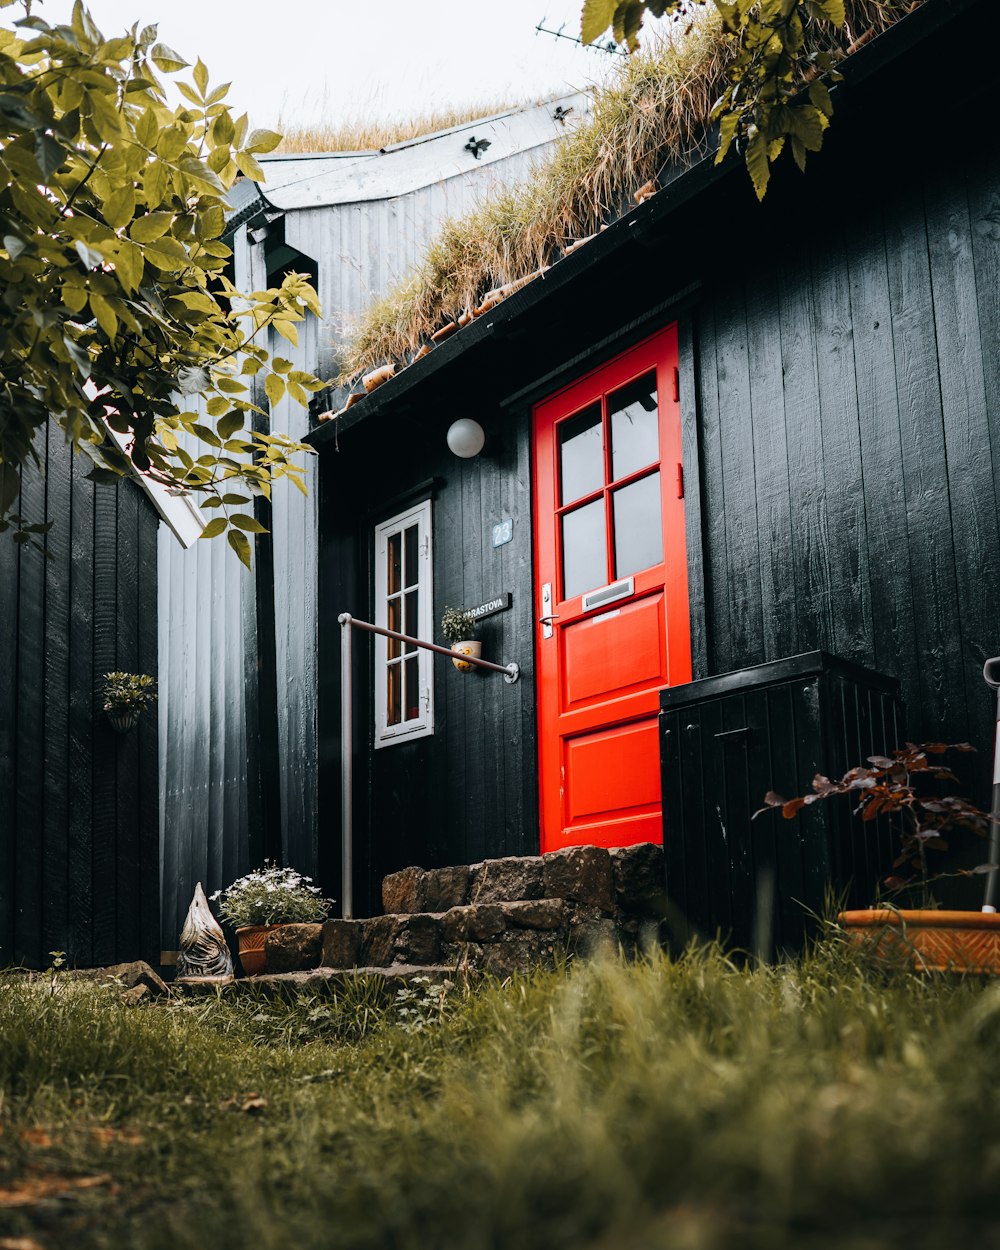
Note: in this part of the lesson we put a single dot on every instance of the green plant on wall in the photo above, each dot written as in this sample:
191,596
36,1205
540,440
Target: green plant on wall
117,311
457,625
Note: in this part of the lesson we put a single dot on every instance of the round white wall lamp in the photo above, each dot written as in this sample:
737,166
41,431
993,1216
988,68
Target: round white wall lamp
466,438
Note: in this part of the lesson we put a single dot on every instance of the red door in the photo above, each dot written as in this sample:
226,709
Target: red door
611,595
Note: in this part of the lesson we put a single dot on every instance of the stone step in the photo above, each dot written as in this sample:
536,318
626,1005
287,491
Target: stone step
625,879
501,916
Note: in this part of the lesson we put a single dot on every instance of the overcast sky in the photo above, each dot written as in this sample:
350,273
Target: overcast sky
333,60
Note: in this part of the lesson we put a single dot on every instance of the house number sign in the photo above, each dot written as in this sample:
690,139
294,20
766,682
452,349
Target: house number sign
498,604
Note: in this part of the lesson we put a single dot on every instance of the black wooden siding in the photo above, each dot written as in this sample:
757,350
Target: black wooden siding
849,412
467,791
79,846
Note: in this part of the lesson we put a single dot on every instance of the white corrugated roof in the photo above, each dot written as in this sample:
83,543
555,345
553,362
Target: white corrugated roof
305,181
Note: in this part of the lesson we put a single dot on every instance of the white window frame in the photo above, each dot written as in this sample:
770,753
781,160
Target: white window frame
423,725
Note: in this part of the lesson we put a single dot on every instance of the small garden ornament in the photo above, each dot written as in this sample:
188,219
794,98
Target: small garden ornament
459,627
204,954
905,788
126,696
263,900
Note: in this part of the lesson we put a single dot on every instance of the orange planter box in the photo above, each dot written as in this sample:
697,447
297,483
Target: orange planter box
935,941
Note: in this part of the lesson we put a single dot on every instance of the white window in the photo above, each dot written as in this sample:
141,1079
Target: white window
404,674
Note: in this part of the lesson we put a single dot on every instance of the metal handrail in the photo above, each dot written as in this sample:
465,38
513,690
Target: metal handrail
511,672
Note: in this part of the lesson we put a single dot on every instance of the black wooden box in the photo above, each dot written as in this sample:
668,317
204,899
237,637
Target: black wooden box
724,742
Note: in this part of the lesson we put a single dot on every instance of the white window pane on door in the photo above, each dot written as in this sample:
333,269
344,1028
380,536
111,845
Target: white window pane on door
581,454
635,432
638,526
585,561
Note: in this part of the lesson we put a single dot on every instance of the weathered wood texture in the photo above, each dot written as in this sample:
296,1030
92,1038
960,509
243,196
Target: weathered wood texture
850,493
79,847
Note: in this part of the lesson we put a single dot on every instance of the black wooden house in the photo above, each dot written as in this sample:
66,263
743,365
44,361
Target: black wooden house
783,423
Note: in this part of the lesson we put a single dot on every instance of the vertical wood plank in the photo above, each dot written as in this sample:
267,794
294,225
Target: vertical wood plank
29,782
147,779
739,484
720,650
894,645
934,590
105,765
56,650
971,484
128,878
842,463
693,518
9,595
810,541
84,710
767,404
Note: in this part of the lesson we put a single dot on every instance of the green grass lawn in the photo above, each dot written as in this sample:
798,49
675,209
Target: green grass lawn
683,1104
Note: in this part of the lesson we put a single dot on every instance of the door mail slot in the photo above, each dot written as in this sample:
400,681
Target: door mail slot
608,594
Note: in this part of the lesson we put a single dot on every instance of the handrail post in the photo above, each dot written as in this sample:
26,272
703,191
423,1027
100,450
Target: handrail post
346,770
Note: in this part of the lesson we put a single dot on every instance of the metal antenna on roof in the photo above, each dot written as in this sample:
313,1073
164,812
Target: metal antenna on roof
599,45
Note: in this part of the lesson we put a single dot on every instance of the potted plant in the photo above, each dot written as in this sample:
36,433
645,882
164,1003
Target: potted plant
126,696
459,627
905,787
264,900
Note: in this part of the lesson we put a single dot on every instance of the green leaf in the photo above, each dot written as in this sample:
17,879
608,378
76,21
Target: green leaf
245,522
820,96
229,424
119,207
200,75
597,17
275,388
206,435
151,227
49,154
240,545
166,59
287,330
104,313
247,166
223,130
263,140
215,527
728,127
280,364
756,159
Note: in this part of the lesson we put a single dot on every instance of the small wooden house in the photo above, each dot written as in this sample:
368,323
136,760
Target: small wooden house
719,434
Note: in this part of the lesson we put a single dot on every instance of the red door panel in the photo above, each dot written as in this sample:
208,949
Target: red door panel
611,585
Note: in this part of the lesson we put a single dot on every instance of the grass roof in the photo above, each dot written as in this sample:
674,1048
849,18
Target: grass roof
651,115
365,135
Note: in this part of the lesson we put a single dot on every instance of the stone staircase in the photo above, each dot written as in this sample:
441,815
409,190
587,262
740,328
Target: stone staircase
499,917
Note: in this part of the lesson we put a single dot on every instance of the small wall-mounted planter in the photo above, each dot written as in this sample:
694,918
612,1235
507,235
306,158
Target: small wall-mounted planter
470,646
932,940
123,722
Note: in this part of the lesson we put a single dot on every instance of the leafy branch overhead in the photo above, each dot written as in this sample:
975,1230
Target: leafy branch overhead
776,92
117,312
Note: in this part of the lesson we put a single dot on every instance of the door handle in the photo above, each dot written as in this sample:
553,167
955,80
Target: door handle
547,617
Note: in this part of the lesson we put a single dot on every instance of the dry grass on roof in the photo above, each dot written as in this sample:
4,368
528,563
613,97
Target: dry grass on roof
364,135
654,113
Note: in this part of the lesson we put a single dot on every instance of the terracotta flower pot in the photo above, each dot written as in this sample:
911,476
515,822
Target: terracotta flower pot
470,646
934,941
251,941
